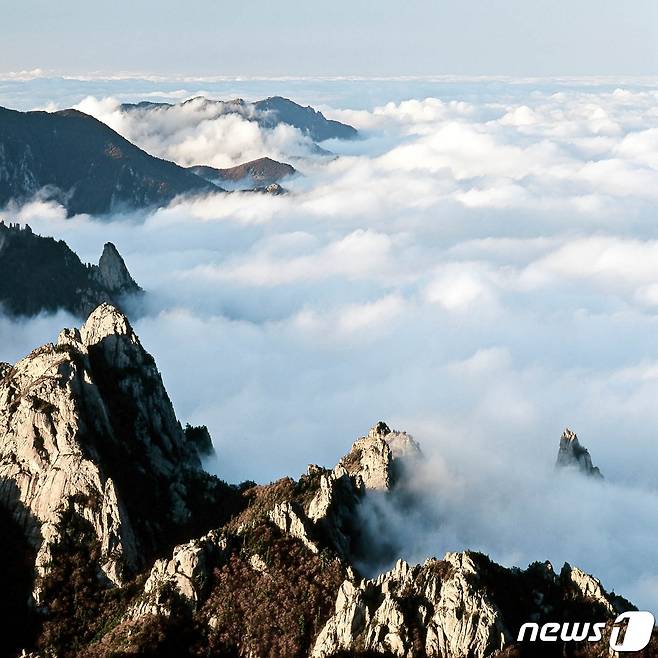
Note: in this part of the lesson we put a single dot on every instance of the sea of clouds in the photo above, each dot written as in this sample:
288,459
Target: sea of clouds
480,269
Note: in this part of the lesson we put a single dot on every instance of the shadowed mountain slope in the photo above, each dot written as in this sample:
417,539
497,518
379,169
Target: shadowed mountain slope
39,274
83,164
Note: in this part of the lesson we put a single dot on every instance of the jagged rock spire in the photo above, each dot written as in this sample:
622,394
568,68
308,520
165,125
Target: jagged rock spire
572,454
112,272
39,274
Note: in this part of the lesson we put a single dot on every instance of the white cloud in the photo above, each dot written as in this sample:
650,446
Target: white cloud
197,133
360,254
460,287
480,272
609,263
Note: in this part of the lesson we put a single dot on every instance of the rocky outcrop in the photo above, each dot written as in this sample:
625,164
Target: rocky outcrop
463,606
376,459
185,576
101,487
273,189
572,454
443,600
84,424
323,519
112,273
332,508
587,586
326,514
292,522
39,274
374,464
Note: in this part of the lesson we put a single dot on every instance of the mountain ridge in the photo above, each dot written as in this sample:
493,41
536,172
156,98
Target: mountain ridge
268,113
80,162
261,172
40,274
138,551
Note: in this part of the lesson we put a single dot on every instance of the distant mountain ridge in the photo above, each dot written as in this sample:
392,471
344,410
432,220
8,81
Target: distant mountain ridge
89,168
268,113
81,163
256,173
40,274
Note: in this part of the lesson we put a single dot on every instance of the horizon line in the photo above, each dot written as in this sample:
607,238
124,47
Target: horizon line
29,75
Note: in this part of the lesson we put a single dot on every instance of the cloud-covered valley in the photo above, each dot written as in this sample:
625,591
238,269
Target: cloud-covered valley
197,132
479,273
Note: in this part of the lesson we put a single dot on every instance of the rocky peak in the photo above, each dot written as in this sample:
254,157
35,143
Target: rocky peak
572,454
185,574
83,164
88,439
84,424
112,272
39,274
437,609
103,322
377,457
379,430
463,605
587,586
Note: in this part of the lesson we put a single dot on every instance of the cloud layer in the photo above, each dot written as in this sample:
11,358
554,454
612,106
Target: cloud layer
198,133
480,273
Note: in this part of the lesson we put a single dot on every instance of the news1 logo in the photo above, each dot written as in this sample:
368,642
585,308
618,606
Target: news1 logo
631,631
638,631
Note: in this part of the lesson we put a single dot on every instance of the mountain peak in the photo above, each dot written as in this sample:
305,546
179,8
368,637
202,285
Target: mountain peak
572,454
85,423
106,320
258,173
112,271
376,459
39,274
380,429
267,113
82,163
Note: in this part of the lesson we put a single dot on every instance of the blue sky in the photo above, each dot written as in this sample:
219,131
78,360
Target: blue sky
387,37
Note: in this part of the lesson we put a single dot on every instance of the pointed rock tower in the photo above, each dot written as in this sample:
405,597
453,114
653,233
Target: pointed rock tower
112,272
572,454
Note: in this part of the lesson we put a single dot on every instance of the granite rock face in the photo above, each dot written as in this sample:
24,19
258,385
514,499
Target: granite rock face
112,273
185,575
84,423
292,521
586,585
92,456
463,606
455,613
377,458
373,464
572,454
326,521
